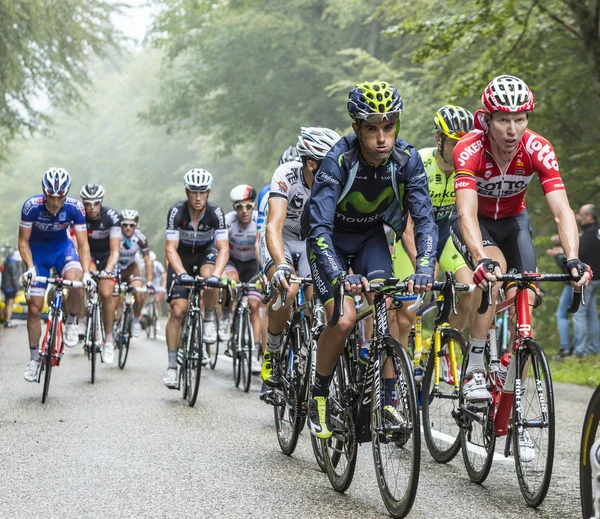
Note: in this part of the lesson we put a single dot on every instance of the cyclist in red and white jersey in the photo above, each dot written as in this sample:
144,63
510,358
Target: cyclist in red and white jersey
494,165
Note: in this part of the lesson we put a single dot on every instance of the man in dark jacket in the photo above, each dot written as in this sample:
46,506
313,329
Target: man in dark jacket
586,328
10,285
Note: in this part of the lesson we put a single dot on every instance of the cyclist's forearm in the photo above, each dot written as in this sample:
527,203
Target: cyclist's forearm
275,243
113,258
222,257
175,261
568,233
84,254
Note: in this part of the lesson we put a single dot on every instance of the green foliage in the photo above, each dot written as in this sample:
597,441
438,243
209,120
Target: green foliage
45,48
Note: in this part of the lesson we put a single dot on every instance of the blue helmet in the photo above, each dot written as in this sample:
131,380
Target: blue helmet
56,182
374,101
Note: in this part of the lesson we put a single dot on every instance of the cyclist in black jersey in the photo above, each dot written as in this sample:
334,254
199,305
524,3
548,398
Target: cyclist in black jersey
196,236
104,237
368,178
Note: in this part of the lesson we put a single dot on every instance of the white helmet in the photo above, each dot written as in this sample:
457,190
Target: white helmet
130,214
507,94
198,180
242,192
56,182
315,143
152,255
92,192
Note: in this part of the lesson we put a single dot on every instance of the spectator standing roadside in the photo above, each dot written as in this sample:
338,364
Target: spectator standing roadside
10,285
586,328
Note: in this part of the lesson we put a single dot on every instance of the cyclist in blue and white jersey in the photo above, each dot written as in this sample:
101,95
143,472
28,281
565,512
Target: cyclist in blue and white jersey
290,190
368,177
44,244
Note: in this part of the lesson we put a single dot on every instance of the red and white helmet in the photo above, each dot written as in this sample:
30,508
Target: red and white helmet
242,192
507,94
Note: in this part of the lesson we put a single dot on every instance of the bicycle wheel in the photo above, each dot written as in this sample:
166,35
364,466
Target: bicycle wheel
235,347
340,451
397,452
287,419
92,337
125,337
442,434
589,436
477,439
534,418
154,320
194,360
47,362
245,352
312,365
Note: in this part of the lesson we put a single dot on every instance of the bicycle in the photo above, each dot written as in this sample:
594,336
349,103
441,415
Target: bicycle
358,396
241,341
517,409
440,385
93,340
122,328
189,353
150,313
589,460
52,347
290,400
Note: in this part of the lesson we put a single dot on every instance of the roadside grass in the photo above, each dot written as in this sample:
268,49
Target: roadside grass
573,370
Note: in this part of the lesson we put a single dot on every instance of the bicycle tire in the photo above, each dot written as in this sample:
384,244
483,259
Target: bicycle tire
340,451
92,345
534,487
312,365
285,411
194,360
398,491
245,352
477,463
47,363
125,337
588,439
441,432
235,347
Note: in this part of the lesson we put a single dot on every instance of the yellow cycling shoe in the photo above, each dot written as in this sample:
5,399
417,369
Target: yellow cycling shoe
269,372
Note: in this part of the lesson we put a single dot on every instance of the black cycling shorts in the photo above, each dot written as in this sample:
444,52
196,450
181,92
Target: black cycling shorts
511,235
246,269
100,259
206,257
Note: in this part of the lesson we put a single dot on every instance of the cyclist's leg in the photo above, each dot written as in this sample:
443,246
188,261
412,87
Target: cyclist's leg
210,296
248,272
134,276
178,303
401,320
231,272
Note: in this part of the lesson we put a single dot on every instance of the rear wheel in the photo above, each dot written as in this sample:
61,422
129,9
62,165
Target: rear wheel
396,447
442,434
533,425
589,437
340,451
194,360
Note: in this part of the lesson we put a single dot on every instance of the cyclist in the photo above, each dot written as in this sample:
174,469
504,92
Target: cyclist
290,190
494,165
104,237
355,190
132,243
450,123
158,281
196,237
243,265
44,244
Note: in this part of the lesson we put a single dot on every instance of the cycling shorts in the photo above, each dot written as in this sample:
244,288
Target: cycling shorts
247,272
100,259
60,255
449,259
368,254
511,235
291,248
206,257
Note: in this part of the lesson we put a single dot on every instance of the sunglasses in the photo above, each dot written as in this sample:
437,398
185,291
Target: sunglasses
244,207
391,117
92,204
128,224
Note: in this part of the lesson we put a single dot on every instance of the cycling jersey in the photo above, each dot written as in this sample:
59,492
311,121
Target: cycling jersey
263,207
48,227
499,194
242,240
130,247
157,271
350,196
100,230
288,184
210,228
441,186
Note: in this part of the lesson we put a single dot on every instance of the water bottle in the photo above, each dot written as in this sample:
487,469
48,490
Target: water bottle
363,354
502,371
418,369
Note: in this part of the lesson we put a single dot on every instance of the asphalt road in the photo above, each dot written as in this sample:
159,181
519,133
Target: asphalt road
129,447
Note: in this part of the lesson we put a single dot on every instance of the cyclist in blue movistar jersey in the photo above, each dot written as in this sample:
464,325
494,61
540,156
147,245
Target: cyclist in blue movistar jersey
367,178
44,244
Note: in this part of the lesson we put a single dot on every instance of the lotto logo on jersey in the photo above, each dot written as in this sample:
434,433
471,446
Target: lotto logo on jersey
469,151
545,154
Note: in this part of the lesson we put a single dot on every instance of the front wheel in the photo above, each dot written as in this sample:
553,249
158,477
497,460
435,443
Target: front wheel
395,431
91,336
194,360
246,345
442,434
589,449
533,424
125,336
47,362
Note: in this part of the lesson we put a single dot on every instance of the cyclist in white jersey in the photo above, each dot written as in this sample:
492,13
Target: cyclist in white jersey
290,190
243,265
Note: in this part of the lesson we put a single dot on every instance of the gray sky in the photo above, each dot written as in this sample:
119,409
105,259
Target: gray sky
134,22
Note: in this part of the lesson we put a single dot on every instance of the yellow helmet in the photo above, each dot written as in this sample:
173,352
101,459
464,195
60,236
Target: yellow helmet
374,101
453,121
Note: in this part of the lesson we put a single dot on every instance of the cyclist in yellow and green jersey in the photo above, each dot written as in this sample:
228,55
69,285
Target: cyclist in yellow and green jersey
451,123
